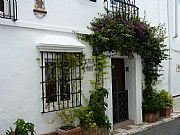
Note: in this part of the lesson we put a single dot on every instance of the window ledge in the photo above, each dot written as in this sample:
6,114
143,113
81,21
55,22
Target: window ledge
60,44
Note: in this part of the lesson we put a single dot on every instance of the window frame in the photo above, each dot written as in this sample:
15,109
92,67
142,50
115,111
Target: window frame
49,98
1,6
71,101
8,9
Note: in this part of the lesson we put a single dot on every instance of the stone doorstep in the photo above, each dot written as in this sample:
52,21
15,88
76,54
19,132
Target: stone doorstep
131,129
123,124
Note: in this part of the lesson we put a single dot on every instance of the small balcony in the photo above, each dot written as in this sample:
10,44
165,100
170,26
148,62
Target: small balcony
8,9
125,8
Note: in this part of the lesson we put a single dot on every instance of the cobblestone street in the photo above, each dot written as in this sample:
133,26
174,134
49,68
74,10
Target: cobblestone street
169,128
166,126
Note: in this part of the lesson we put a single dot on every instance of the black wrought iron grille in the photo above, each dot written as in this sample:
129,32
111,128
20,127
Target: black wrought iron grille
61,80
120,106
8,9
125,8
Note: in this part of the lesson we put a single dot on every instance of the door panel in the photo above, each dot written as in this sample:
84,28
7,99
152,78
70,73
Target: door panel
120,95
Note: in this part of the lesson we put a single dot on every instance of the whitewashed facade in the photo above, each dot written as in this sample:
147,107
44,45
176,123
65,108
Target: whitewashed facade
20,88
21,92
166,12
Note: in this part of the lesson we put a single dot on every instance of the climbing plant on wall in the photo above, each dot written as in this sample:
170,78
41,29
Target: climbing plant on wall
117,34
114,33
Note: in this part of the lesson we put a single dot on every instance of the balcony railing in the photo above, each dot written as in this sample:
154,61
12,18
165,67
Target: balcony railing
125,8
8,9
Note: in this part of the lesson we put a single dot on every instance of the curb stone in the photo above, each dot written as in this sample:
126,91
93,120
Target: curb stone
144,126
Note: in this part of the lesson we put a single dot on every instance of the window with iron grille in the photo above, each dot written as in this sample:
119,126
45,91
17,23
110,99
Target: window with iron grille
2,6
61,80
8,9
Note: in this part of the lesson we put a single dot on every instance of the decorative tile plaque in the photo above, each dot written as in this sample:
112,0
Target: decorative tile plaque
39,9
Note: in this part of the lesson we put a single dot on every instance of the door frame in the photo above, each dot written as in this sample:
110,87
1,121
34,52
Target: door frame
133,83
119,93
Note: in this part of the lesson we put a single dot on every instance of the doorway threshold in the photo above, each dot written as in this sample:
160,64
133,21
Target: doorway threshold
132,129
123,124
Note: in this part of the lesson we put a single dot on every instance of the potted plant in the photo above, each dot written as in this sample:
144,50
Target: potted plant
22,128
85,115
168,102
151,105
93,119
68,118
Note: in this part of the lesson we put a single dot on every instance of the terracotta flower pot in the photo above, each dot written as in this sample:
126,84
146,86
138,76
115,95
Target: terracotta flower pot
165,112
94,131
151,117
157,115
12,133
74,131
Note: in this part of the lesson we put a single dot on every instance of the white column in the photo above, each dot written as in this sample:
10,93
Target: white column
133,85
108,85
138,90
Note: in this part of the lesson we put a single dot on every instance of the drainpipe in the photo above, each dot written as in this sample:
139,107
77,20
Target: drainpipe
169,33
176,20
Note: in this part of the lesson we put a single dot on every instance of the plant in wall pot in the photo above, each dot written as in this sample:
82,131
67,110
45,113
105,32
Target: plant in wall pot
156,104
22,128
68,118
168,102
151,105
93,119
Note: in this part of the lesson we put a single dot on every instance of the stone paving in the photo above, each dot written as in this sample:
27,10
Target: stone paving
131,129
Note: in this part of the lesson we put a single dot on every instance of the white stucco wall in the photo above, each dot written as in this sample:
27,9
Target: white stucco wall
163,11
20,70
174,46
20,89
133,83
64,15
108,86
155,12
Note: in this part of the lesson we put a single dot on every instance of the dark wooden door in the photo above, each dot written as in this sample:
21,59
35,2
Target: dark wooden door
120,95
